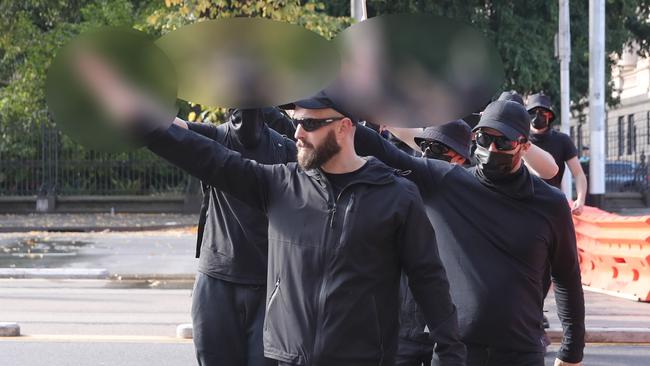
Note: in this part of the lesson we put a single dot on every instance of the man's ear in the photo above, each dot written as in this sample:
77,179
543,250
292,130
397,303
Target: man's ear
525,147
346,123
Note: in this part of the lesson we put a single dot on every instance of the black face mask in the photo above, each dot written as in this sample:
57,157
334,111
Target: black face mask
432,155
248,126
495,164
539,121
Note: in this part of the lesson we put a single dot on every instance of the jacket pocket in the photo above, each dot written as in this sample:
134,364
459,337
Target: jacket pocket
348,223
274,293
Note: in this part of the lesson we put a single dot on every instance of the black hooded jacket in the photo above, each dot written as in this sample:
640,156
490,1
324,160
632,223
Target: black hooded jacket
334,262
498,243
232,237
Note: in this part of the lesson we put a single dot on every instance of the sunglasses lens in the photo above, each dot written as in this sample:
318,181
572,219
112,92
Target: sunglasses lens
501,142
484,140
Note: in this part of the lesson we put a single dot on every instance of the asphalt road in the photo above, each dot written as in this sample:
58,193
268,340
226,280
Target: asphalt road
87,322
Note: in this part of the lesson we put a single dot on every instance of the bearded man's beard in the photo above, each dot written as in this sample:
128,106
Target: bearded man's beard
310,157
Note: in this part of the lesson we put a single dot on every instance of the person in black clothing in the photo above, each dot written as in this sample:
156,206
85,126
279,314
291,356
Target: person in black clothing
449,142
279,121
229,292
333,272
559,145
499,230
511,95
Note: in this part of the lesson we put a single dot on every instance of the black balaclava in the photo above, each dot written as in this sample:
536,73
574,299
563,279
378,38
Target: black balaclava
248,125
540,121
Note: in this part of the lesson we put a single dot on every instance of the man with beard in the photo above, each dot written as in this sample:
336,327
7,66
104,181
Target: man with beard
229,292
333,270
499,230
559,145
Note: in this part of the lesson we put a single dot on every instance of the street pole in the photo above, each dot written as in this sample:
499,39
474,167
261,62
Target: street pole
358,10
597,100
564,55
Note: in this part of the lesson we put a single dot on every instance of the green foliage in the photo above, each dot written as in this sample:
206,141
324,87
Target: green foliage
32,32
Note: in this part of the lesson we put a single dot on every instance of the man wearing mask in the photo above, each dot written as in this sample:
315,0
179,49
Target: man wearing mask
449,142
229,292
500,230
559,145
452,142
333,271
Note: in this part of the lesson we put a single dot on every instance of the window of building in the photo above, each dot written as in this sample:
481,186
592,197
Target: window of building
621,137
630,134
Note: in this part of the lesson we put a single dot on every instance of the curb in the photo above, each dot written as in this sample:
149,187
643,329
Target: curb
55,273
9,329
607,335
89,229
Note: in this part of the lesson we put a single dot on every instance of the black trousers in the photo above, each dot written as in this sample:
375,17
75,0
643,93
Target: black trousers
485,356
227,321
412,353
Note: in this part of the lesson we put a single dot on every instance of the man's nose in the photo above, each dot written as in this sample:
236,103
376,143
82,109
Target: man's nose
300,132
493,147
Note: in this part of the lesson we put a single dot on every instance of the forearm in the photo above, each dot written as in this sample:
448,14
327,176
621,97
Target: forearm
406,135
569,297
571,311
212,163
581,187
540,162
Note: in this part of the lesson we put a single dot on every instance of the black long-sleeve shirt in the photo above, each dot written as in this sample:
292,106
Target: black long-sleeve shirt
496,250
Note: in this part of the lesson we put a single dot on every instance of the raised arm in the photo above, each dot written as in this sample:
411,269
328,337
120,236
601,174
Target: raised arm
218,166
406,135
369,143
540,162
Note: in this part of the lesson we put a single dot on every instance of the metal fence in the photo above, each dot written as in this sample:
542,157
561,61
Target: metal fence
627,143
41,159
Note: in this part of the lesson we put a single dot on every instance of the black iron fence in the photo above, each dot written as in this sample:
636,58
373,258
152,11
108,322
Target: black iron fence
40,159
627,144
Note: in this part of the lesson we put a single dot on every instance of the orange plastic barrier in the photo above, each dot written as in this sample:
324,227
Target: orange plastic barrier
614,252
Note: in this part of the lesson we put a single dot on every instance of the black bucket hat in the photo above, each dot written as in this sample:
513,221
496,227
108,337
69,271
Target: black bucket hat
512,96
457,135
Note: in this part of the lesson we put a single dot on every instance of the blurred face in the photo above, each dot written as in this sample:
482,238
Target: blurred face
316,136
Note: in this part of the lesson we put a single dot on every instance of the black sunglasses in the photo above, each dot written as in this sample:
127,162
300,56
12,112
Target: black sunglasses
502,143
434,146
312,124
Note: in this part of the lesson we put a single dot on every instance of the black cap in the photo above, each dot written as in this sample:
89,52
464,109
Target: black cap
509,118
540,100
455,134
323,99
511,96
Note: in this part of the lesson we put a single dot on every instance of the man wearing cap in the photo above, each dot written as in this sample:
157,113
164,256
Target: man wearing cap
452,142
558,144
230,289
333,270
499,230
